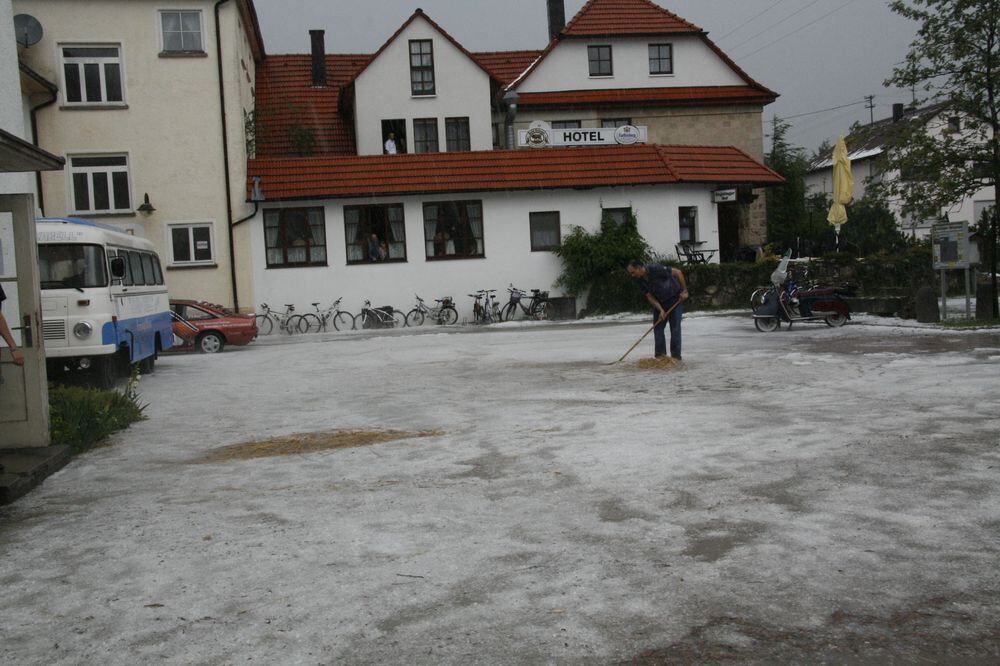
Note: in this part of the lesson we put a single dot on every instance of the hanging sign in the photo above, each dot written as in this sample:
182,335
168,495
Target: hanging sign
724,196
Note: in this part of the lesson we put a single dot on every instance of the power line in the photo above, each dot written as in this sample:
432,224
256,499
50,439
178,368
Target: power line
747,55
775,25
752,19
832,108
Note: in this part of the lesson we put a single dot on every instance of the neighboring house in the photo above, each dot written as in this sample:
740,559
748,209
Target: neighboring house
867,146
459,207
129,92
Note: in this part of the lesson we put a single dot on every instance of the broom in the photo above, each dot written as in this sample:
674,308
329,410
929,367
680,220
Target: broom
665,315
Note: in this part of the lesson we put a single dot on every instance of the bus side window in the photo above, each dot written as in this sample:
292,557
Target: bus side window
127,280
156,269
135,263
147,268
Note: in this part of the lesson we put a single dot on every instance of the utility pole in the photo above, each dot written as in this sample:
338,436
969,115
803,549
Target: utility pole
870,105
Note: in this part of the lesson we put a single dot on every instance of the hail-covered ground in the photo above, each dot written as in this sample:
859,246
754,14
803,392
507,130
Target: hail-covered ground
812,495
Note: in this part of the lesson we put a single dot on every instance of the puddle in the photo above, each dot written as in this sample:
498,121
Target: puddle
309,442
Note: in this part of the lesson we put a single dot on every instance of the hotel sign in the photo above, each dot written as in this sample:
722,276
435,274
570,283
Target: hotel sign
540,135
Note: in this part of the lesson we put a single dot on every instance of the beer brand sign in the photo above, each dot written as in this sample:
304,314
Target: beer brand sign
541,135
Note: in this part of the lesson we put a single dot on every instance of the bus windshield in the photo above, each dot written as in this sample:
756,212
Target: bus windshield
71,266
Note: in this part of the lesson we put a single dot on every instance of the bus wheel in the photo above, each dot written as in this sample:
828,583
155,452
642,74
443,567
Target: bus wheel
147,366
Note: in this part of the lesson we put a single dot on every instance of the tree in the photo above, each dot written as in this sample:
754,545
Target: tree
955,58
792,221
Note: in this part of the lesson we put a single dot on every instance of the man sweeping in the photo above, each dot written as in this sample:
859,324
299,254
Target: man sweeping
665,288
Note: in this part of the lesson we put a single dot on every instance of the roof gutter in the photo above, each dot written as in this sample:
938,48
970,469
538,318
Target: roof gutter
225,156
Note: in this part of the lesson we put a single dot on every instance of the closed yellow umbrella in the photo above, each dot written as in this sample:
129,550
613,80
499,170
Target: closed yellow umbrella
843,186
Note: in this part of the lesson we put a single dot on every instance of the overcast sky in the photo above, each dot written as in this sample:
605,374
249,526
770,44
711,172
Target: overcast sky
816,54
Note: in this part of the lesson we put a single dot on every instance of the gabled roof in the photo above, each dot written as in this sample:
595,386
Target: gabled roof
286,99
420,13
869,141
507,65
503,170
639,97
632,18
600,18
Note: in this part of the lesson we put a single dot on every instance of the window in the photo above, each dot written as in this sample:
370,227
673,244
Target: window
661,59
375,233
135,268
92,75
688,216
565,124
619,216
456,131
615,122
421,67
954,123
70,266
191,244
425,135
181,31
453,229
190,312
599,58
99,184
545,231
295,237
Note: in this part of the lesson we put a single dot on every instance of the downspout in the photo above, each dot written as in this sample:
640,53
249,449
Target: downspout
225,156
33,117
510,99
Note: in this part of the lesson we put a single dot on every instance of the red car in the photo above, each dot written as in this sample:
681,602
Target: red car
208,327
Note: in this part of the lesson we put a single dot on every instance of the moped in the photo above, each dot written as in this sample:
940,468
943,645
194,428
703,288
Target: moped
814,304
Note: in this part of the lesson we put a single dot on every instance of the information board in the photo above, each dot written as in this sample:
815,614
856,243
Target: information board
950,243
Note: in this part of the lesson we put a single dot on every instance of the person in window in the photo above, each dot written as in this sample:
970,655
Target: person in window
440,244
383,251
7,336
390,144
665,289
373,249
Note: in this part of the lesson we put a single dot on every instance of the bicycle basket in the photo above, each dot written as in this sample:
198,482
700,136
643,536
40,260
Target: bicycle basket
447,300
543,294
515,296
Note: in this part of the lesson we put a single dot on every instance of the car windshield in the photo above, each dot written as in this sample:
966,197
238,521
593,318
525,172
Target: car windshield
72,266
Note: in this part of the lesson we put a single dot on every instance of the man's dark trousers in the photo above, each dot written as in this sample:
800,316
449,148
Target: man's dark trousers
659,339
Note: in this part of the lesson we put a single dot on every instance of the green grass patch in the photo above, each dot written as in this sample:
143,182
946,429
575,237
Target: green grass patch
81,417
971,323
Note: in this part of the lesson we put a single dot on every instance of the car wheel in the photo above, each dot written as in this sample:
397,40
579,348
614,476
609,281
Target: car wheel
211,343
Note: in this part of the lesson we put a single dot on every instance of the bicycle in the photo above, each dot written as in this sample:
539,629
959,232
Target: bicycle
287,322
319,320
443,313
537,307
384,317
485,308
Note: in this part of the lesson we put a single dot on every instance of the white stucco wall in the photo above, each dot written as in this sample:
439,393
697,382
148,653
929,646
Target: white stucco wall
170,127
382,92
566,66
12,104
508,259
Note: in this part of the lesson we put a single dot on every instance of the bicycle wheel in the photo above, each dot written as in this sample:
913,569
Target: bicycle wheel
396,320
366,319
264,324
309,323
343,321
415,317
540,310
291,324
448,315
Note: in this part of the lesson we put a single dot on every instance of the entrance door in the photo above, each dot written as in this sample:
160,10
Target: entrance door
24,398
729,231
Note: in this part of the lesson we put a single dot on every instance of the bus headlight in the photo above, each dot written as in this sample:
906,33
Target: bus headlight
83,329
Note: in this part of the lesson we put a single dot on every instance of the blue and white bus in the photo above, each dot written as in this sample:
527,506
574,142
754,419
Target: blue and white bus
104,302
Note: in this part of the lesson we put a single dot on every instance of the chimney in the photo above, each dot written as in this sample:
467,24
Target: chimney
557,17
318,58
897,112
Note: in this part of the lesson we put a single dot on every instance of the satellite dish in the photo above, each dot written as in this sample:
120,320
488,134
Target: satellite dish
27,30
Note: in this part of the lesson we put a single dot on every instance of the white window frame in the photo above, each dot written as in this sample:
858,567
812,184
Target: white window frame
71,188
180,10
120,60
190,226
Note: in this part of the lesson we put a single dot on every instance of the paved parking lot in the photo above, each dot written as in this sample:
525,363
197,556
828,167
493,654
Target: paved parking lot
807,495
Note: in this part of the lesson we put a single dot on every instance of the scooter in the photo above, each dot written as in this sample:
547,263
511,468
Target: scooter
783,304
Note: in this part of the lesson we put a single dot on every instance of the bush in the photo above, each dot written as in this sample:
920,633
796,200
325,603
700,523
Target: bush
81,417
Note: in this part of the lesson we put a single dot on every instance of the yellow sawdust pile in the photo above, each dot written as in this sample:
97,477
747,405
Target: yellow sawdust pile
660,363
309,442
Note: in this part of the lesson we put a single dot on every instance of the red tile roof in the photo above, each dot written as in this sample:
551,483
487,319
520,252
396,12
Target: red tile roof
286,98
503,170
625,17
507,65
688,96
